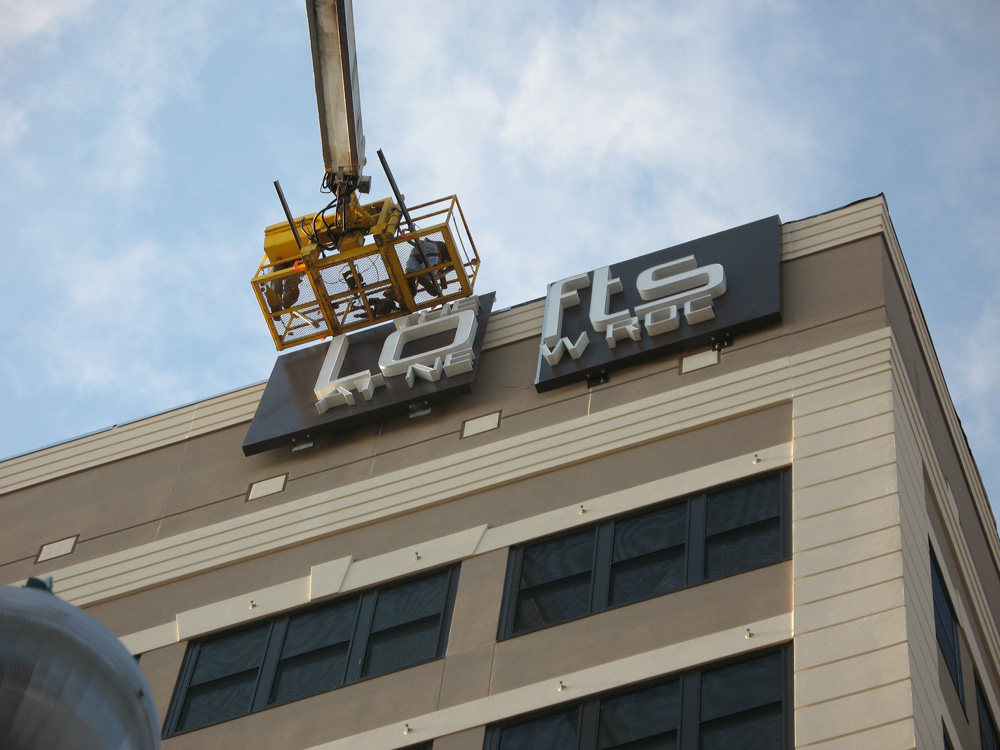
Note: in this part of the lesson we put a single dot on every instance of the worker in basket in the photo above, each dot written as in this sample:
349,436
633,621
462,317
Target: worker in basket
425,254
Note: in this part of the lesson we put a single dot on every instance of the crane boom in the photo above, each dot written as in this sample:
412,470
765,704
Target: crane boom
335,68
351,265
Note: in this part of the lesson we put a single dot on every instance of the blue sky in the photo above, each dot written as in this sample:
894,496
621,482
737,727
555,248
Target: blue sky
139,141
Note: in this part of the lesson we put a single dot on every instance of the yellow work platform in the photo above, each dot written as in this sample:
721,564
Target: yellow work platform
374,274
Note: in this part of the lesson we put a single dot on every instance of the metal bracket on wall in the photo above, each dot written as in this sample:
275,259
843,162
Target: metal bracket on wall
597,378
722,341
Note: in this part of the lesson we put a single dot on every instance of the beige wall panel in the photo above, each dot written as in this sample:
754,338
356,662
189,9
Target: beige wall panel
847,552
831,285
471,739
244,608
846,639
848,578
853,713
855,675
161,667
515,323
91,503
413,559
843,436
809,235
844,492
817,375
327,579
129,439
727,604
858,389
843,414
897,735
387,700
152,638
854,605
466,675
476,616
830,465
856,520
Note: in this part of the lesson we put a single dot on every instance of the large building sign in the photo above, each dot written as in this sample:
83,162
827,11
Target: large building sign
373,373
683,297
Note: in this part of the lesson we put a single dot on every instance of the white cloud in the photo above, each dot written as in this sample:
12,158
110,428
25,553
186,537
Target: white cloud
21,22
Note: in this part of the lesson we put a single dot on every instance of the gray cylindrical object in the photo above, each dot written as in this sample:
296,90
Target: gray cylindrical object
66,682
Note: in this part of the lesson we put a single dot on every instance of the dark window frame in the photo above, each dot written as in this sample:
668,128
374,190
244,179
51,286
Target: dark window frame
689,684
988,736
357,651
694,554
946,629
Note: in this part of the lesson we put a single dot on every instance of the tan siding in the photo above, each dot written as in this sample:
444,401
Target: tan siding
851,661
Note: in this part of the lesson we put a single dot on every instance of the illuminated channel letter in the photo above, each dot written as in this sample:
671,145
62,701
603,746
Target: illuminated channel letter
679,284
334,390
561,294
600,301
429,365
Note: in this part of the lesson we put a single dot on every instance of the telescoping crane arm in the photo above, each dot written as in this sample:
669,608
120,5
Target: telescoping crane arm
319,277
335,68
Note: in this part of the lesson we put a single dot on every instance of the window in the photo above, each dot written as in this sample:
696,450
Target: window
946,628
682,543
740,704
987,727
310,651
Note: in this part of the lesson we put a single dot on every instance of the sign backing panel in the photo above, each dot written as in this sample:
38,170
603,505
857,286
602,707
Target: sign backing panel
287,410
749,254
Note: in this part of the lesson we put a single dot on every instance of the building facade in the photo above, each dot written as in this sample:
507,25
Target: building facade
778,541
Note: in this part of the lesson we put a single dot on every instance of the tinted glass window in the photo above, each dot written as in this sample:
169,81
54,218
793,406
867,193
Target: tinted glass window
648,557
313,657
946,628
681,543
313,650
224,677
647,718
743,528
741,705
555,581
987,727
554,732
406,625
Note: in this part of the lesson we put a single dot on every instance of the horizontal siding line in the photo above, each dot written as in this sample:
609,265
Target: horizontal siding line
842,696
858,734
816,389
806,577
838,509
842,476
847,405
859,654
876,434
867,616
841,594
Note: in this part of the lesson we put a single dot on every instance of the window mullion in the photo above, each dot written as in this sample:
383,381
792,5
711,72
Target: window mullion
445,617
601,581
589,718
512,587
695,558
265,674
688,731
359,641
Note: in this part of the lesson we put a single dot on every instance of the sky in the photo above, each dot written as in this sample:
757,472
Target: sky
139,143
